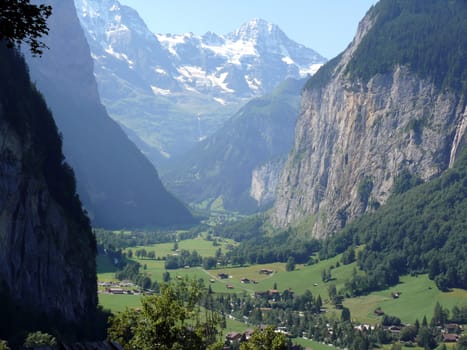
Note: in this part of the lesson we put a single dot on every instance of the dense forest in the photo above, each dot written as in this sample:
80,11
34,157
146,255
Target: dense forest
416,33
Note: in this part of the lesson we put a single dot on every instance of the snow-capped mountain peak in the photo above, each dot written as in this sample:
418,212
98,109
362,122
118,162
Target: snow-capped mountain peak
255,30
179,73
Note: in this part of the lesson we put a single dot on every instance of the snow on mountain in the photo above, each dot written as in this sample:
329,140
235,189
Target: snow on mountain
152,83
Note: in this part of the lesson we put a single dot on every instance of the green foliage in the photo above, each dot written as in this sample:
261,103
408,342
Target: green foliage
290,266
323,75
265,339
23,22
345,315
405,181
364,190
348,256
426,338
462,343
122,240
182,259
428,36
38,339
459,314
440,315
261,249
171,320
4,345
244,229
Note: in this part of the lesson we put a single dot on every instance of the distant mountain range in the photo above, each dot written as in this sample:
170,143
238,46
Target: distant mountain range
239,166
165,86
118,185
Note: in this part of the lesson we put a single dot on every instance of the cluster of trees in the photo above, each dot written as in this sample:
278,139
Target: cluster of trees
132,272
242,230
182,259
121,240
172,320
422,230
141,253
278,248
429,37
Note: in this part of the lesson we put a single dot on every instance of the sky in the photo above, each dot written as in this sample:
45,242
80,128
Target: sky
326,26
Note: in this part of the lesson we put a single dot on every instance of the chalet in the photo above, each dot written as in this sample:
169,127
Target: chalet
451,328
245,280
263,294
450,337
222,276
379,312
248,333
394,330
266,272
115,291
396,295
234,336
229,286
273,293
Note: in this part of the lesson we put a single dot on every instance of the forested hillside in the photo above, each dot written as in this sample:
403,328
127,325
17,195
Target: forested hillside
417,33
421,230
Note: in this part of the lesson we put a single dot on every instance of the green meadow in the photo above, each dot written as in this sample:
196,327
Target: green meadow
417,299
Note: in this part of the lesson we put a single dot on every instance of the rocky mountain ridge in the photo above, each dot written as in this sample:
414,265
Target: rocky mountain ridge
165,85
354,137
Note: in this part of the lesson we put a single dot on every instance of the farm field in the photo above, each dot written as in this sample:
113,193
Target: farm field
200,244
418,294
418,298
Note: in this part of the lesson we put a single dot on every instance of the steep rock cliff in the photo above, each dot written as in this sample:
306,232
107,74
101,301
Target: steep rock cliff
47,249
118,185
264,181
355,136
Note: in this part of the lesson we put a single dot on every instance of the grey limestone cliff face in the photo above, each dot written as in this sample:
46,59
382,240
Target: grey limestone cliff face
264,181
353,139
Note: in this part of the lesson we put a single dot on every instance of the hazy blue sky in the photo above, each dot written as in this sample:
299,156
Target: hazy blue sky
326,26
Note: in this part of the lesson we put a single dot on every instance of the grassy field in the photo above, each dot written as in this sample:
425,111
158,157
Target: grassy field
312,344
200,244
418,294
117,303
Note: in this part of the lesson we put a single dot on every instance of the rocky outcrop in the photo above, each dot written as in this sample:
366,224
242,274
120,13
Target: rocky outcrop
47,249
264,181
354,137
118,185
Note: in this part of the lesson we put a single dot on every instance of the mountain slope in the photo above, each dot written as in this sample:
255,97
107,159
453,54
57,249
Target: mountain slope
119,187
157,85
240,164
47,249
423,230
376,111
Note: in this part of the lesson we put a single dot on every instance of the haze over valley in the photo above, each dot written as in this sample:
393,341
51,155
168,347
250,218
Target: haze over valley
232,190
